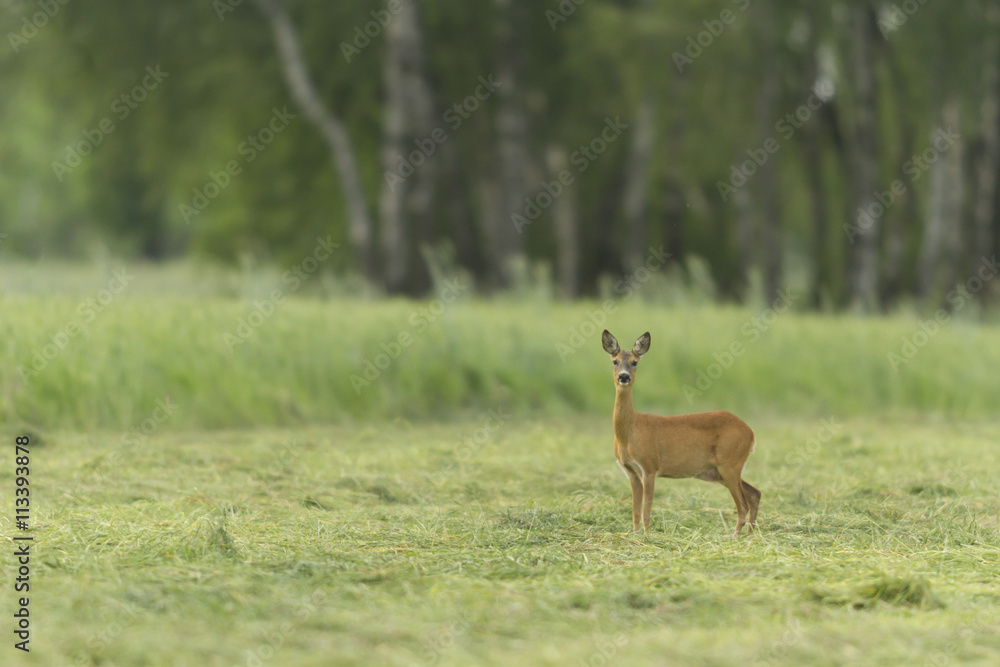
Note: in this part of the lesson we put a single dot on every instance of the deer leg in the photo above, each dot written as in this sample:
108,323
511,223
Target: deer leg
735,486
752,495
648,483
636,500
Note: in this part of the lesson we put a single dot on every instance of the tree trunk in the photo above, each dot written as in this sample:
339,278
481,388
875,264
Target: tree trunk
895,243
674,197
565,220
767,191
820,290
409,109
492,222
863,264
303,89
512,143
746,240
984,240
604,247
830,119
953,202
637,177
673,220
941,252
897,220
763,215
813,151
392,230
460,218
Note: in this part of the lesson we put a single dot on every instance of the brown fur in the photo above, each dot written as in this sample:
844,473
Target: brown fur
711,446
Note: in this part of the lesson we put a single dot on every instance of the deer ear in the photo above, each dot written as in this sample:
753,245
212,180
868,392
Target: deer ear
609,342
641,346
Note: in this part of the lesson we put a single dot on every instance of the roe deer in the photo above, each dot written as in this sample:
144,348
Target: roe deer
712,446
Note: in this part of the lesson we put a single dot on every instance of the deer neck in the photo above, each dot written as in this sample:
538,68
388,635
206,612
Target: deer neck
624,415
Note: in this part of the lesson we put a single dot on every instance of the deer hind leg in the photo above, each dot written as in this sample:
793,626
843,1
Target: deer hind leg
735,486
752,495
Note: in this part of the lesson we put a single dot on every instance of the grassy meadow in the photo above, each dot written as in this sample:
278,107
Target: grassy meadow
197,501
229,356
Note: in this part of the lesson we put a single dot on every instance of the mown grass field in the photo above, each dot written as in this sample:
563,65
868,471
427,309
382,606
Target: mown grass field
437,544
200,505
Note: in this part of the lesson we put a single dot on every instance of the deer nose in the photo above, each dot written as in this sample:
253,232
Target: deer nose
624,378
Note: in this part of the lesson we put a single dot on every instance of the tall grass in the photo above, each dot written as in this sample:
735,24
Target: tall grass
303,363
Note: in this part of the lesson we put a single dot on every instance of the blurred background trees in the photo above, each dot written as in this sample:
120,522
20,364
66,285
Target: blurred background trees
850,149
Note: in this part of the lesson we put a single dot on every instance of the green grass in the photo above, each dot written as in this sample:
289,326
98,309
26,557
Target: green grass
195,504
307,363
437,544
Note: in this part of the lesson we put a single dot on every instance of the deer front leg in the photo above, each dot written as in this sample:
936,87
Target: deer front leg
636,500
648,482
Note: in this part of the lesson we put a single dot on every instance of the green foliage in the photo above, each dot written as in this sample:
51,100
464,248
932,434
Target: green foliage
602,60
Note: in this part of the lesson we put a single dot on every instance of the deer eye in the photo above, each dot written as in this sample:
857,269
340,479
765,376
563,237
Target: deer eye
635,363
614,361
